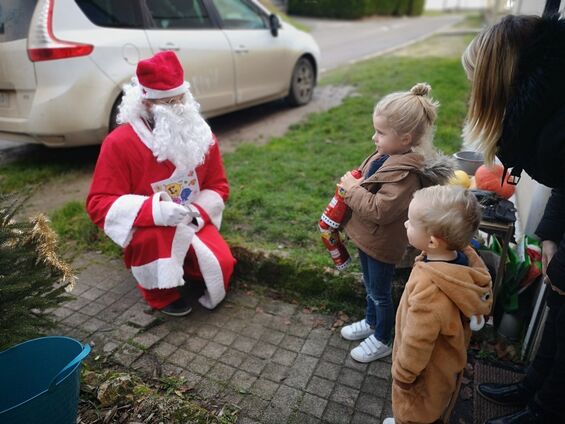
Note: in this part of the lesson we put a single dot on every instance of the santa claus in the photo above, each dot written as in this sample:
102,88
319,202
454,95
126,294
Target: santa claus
159,189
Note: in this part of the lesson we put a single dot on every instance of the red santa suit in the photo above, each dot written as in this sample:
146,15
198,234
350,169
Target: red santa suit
123,203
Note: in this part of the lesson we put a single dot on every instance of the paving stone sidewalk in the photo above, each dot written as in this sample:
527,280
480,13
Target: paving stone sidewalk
274,360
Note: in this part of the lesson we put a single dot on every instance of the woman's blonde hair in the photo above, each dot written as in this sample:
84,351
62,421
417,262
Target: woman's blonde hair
451,213
411,112
490,62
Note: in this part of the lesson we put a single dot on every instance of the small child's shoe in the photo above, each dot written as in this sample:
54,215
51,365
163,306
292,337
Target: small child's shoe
370,350
388,421
357,331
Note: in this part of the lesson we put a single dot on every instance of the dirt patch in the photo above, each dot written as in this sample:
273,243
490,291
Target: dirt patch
261,123
255,125
58,192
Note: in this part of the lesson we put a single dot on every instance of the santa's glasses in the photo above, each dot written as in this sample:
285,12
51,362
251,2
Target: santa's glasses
175,100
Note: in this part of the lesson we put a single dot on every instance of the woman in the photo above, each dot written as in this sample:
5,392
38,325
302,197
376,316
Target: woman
517,112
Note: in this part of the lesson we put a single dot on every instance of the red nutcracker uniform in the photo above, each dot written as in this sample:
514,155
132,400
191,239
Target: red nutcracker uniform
122,203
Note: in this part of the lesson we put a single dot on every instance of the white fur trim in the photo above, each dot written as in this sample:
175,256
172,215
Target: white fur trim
477,322
152,94
213,204
166,273
156,207
212,273
118,224
144,133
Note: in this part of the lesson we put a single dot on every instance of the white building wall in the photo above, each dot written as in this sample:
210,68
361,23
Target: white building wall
455,4
531,7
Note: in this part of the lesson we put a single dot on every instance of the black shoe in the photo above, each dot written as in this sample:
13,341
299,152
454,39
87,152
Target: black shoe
178,308
504,394
524,416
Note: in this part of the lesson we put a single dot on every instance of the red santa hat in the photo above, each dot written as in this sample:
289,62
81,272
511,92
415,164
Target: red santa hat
161,76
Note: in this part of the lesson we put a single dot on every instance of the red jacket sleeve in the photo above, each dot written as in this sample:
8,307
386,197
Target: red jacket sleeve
110,202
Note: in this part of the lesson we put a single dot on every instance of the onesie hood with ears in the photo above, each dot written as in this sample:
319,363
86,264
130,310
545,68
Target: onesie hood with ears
469,287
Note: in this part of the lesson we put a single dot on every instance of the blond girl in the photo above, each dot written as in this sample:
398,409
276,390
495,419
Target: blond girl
402,163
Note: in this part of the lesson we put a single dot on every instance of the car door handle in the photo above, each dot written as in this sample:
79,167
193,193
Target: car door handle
241,50
169,47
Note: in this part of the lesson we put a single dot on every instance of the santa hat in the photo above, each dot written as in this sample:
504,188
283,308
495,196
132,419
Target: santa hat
161,76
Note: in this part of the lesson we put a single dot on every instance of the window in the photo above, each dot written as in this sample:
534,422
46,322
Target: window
15,16
112,13
240,14
178,14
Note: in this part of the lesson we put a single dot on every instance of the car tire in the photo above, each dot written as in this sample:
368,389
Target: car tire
302,82
113,123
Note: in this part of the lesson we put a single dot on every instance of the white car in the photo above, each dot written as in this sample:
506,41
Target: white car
63,62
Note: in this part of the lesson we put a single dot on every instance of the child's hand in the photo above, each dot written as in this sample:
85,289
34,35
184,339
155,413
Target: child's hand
348,181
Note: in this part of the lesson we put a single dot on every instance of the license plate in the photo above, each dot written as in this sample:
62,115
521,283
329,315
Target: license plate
4,99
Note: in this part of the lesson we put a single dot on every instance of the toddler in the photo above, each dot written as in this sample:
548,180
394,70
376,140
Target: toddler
402,163
449,287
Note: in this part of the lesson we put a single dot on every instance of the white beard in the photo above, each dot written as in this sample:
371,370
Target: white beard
180,134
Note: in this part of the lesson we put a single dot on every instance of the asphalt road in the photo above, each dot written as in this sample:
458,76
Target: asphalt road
345,42
341,43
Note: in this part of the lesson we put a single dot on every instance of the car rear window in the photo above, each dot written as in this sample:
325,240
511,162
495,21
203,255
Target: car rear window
113,13
15,16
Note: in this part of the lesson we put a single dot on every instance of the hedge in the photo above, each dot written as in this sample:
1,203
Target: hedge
385,7
402,7
354,9
417,7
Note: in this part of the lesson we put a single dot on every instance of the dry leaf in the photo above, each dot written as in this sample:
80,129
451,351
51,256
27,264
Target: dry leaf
317,322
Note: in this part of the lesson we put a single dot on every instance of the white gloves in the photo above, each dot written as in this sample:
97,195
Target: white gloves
170,214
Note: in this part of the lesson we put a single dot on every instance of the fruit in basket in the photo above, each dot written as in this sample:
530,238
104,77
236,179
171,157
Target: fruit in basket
490,178
460,178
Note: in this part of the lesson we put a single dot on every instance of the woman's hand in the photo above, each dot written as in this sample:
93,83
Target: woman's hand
348,181
548,249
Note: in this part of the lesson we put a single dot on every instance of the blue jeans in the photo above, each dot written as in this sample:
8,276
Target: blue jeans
378,277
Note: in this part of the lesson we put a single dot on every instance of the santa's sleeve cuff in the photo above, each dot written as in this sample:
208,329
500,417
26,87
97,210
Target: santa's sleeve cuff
120,219
211,207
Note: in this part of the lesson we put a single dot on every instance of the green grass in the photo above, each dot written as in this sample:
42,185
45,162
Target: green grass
472,20
41,164
279,190
78,233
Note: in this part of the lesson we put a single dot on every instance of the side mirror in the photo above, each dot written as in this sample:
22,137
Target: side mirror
274,24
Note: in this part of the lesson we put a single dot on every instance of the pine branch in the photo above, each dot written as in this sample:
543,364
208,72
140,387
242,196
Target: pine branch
33,278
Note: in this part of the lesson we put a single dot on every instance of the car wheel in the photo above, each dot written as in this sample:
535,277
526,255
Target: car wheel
114,115
302,83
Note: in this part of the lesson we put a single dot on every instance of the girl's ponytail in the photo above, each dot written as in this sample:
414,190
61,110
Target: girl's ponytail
411,112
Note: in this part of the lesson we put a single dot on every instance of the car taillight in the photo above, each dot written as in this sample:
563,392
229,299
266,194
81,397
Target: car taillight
42,43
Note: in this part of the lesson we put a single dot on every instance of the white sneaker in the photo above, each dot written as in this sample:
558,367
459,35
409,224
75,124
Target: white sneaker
357,331
388,421
370,350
